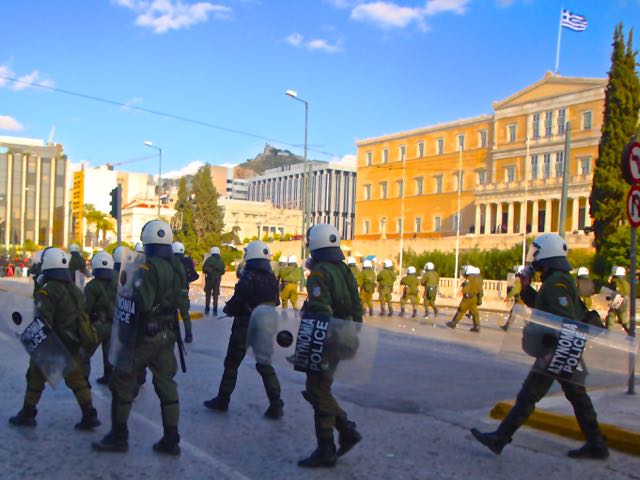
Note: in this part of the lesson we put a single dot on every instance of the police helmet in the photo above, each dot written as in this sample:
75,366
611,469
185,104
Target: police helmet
138,247
157,238
323,241
351,261
549,250
73,248
583,272
292,260
102,260
429,266
55,264
411,270
177,247
388,264
215,251
367,264
618,272
257,250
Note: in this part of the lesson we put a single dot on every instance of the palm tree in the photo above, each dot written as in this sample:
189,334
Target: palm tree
92,216
105,225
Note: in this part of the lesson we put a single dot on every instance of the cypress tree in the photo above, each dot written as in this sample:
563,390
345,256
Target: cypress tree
208,217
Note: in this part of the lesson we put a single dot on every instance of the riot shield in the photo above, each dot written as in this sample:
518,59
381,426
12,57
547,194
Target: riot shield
566,349
124,330
605,300
511,279
343,348
44,347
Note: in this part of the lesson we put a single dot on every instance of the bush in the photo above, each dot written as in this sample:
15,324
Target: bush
287,237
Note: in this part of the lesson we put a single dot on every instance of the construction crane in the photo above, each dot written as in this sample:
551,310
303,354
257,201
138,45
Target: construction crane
133,160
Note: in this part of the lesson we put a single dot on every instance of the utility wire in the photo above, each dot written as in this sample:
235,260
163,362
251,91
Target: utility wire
160,113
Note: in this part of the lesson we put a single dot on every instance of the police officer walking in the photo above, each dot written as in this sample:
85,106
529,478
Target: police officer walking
558,295
430,281
586,287
514,293
257,286
290,278
620,285
471,298
59,303
157,290
213,269
190,276
411,285
367,286
76,263
386,279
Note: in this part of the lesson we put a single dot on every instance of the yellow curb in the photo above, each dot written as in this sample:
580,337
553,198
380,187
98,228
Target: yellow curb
193,315
627,441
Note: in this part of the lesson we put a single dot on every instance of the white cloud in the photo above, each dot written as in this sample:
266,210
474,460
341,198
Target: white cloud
349,161
390,15
316,44
10,124
294,39
134,101
189,169
5,71
164,15
24,80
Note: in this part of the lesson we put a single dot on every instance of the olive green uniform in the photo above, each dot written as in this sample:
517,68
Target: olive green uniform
213,269
290,278
586,289
471,298
99,300
514,293
34,271
356,274
77,263
619,315
59,304
411,285
367,287
386,279
430,281
331,291
157,295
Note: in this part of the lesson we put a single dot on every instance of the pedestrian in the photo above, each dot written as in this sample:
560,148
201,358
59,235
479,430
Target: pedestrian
558,295
386,279
59,303
367,286
331,292
77,263
156,290
213,270
471,298
290,279
257,286
411,284
430,281
190,275
99,300
618,313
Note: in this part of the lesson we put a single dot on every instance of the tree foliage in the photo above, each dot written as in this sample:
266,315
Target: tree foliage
622,102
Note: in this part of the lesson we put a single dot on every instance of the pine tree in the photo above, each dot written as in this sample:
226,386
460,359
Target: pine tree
622,103
184,206
208,219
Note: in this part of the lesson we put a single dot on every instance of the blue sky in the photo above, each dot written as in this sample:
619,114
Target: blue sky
366,67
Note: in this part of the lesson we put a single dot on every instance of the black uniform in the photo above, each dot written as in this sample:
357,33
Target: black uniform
257,286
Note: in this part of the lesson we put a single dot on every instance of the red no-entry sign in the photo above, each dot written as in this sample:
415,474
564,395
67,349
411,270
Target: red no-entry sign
631,163
633,206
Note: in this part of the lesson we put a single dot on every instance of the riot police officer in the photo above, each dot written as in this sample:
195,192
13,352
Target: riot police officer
257,286
471,298
367,285
331,291
620,285
76,263
59,303
411,284
157,288
34,270
586,287
190,275
430,281
386,279
99,298
558,295
290,279
213,270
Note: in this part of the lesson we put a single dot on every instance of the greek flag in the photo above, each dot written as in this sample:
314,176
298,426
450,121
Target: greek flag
574,22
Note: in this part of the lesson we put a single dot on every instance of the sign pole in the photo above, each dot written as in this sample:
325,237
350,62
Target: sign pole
632,312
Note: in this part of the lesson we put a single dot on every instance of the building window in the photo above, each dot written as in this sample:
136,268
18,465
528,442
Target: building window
536,126
403,152
459,181
419,185
383,190
420,149
369,158
454,223
366,227
400,185
559,164
383,222
460,142
438,181
436,224
440,146
585,166
385,155
562,119
546,166
511,133
482,177
510,173
586,120
367,192
548,123
534,167
418,225
399,225
482,138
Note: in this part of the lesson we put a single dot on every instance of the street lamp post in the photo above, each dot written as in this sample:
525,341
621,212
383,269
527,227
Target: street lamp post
151,145
306,218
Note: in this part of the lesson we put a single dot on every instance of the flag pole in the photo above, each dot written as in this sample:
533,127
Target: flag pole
558,43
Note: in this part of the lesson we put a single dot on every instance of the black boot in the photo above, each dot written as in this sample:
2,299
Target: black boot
371,312
169,444
401,314
493,440
188,337
323,456
475,329
591,450
390,312
218,403
25,418
505,327
89,419
451,325
114,441
414,314
382,312
275,410
348,435
104,380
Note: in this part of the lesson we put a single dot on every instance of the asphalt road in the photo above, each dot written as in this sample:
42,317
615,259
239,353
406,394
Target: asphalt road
428,385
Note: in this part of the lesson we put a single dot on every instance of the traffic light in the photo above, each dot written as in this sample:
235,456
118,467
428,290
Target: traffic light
116,201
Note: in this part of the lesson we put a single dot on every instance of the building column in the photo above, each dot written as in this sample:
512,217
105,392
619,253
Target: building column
499,217
510,213
534,216
487,219
523,217
548,213
478,219
575,213
587,217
